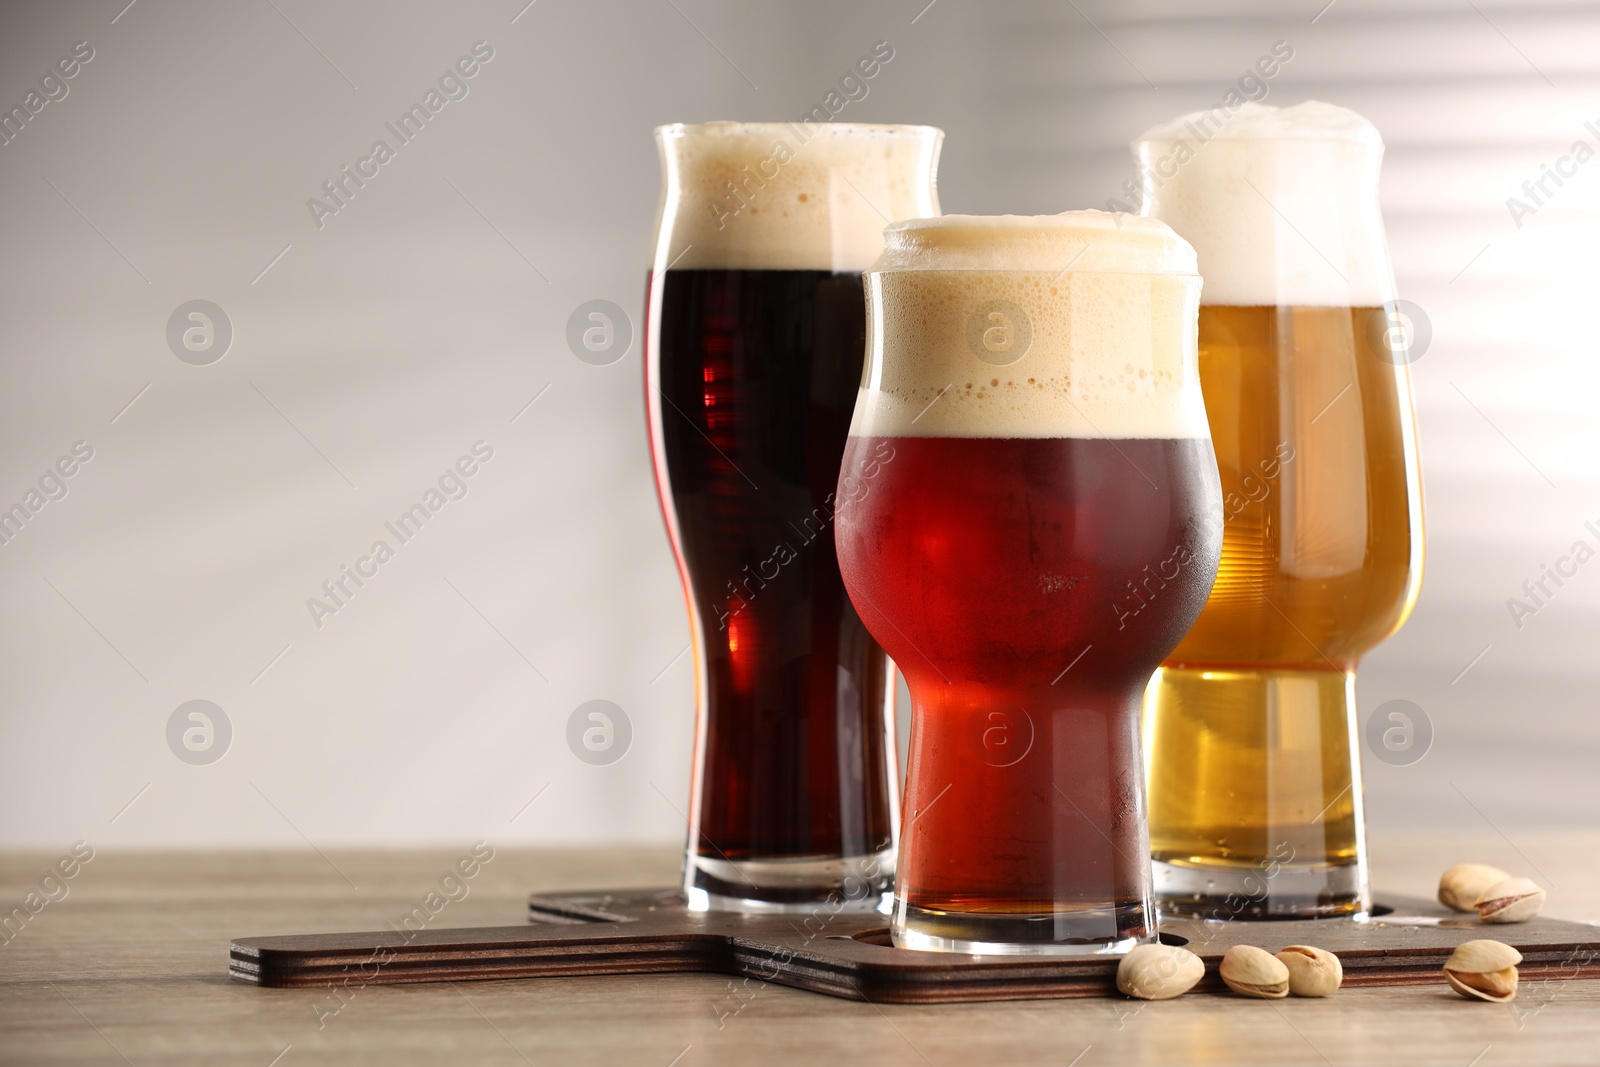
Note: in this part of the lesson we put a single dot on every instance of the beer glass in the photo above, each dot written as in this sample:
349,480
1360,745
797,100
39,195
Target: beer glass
755,344
1028,522
1254,773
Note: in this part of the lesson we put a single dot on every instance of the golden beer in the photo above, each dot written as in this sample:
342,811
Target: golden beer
1251,724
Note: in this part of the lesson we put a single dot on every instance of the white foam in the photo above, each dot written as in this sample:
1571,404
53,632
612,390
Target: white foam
789,196
1096,313
1311,120
1281,204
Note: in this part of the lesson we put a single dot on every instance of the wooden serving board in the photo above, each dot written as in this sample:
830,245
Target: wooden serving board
849,955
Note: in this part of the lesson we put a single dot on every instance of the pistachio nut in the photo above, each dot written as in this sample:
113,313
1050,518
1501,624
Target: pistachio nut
1159,972
1513,900
1462,885
1254,972
1483,970
1313,972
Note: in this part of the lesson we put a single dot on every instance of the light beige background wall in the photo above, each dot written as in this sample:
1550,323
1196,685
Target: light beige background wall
368,354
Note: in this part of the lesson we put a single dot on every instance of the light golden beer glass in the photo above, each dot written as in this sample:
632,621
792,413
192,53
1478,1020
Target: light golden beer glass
1251,725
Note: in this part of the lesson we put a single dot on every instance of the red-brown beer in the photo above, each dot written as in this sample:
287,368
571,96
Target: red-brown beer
1029,588
1029,520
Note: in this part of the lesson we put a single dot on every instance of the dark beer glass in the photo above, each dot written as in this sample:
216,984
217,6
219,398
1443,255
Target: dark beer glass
1028,523
755,344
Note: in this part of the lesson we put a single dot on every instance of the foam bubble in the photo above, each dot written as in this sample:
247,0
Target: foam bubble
1281,204
1074,325
789,196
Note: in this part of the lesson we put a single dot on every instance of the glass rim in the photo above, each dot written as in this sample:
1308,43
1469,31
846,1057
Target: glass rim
739,127
1180,276
1122,244
1302,138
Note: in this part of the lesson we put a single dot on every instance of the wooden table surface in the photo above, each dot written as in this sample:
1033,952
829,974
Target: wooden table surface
131,966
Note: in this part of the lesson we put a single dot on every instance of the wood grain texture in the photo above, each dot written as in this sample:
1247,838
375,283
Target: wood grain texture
131,966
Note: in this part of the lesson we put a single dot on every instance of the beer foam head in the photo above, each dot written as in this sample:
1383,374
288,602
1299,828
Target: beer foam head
789,196
1074,325
1281,204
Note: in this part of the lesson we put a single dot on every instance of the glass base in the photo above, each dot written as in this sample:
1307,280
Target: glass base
797,886
1285,891
1255,793
1084,932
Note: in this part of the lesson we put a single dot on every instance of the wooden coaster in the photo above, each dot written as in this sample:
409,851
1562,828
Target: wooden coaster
849,955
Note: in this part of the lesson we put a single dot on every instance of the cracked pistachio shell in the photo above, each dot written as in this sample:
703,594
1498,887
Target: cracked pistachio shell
1254,972
1159,972
1313,972
1513,900
1483,970
1462,885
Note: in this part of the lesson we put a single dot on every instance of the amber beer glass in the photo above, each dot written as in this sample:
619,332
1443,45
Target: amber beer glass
1029,521
1251,726
755,345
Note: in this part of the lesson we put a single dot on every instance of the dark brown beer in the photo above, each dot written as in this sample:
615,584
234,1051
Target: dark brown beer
757,374
754,352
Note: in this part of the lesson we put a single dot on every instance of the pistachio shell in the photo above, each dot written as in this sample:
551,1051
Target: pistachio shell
1498,986
1254,972
1313,972
1482,956
1462,885
1483,970
1159,972
1512,900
